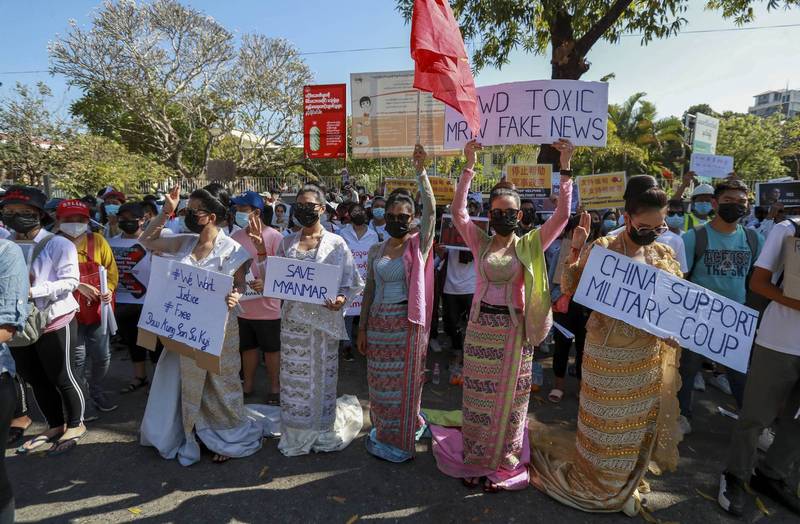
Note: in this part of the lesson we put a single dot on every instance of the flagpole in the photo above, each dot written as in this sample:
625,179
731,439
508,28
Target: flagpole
419,94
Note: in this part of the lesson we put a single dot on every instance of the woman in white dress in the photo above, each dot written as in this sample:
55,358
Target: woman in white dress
312,419
187,402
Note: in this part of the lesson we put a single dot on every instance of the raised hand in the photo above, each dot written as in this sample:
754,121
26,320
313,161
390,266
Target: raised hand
171,200
420,158
470,149
566,150
581,233
688,178
254,232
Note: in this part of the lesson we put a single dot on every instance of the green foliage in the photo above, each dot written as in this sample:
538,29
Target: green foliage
755,145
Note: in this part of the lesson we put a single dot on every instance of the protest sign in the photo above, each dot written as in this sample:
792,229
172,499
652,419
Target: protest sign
449,236
443,189
668,306
535,112
185,308
548,204
249,292
301,280
786,193
384,116
475,196
706,129
360,255
531,180
133,263
791,267
391,184
602,191
711,166
325,121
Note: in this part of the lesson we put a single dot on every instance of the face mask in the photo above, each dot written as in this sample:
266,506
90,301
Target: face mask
358,219
97,216
731,213
642,239
129,226
609,224
192,224
528,216
621,220
112,209
397,229
306,217
378,213
702,208
73,229
505,224
242,219
675,222
21,223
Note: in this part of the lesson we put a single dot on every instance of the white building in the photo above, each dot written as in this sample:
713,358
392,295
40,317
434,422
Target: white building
786,102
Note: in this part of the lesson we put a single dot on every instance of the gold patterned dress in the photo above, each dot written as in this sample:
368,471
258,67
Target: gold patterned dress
628,408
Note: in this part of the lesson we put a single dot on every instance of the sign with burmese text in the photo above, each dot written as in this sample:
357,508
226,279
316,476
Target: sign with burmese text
711,166
535,112
301,280
668,307
531,180
186,304
324,121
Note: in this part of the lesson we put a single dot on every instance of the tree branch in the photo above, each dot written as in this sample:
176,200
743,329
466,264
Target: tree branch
596,32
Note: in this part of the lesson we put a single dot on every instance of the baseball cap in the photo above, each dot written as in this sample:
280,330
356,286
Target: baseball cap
30,196
703,189
249,198
118,195
72,207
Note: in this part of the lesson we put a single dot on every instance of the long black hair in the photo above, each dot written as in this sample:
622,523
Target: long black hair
642,193
401,196
502,189
218,204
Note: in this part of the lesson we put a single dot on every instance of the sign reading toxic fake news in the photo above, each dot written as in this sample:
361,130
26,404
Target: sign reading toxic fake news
301,280
668,307
535,112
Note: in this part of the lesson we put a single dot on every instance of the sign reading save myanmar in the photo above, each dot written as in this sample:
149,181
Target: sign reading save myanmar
667,306
301,280
535,112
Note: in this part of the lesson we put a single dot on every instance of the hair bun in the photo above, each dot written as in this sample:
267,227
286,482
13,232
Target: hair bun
639,184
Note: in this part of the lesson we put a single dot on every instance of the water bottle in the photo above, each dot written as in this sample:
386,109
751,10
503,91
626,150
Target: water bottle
436,373
538,376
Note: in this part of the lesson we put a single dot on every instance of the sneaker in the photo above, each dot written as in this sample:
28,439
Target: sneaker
765,439
699,382
347,355
777,490
721,383
684,425
731,496
434,345
102,403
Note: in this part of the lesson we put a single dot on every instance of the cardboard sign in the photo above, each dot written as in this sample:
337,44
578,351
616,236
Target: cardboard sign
786,193
668,307
449,236
325,121
791,267
602,191
185,307
706,129
711,166
391,184
133,263
444,189
249,292
301,280
535,112
531,180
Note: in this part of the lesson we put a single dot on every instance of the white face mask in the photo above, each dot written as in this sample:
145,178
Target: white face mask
73,229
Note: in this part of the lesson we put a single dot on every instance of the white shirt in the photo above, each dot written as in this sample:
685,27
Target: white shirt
780,325
359,247
672,240
460,277
380,230
4,233
55,275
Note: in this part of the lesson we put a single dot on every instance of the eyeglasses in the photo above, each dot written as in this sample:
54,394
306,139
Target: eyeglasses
499,214
675,213
402,217
660,230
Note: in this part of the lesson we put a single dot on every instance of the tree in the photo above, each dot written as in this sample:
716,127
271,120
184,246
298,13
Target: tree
167,80
755,145
30,134
91,162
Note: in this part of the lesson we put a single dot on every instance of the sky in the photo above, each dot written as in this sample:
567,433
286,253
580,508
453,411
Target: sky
723,69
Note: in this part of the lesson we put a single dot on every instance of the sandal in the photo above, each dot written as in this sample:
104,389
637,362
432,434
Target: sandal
471,482
63,446
273,399
220,459
138,383
15,434
37,442
555,396
491,487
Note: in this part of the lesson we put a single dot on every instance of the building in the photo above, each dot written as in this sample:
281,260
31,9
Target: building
786,102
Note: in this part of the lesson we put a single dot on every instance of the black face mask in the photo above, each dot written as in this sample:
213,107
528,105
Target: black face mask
642,239
305,216
129,226
192,224
358,219
731,213
21,223
503,224
528,216
397,229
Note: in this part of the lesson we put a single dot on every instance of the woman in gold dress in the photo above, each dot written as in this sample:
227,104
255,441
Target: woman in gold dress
628,405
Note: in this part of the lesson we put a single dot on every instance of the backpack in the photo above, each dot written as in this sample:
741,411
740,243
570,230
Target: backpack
760,302
89,312
37,318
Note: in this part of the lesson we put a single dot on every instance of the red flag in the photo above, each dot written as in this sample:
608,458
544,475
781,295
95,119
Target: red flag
441,61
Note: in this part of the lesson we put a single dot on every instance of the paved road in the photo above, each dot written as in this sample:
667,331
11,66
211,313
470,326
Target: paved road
110,478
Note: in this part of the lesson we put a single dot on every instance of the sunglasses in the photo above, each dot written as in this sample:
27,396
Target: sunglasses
309,206
660,230
402,217
675,213
499,214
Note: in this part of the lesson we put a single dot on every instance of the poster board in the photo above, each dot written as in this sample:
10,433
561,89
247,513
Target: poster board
791,267
711,166
185,308
706,130
449,236
133,263
531,180
391,184
301,280
444,189
785,192
667,306
535,112
325,121
603,191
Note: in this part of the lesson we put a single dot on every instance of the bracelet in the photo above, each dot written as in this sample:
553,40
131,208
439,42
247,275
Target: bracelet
262,254
566,173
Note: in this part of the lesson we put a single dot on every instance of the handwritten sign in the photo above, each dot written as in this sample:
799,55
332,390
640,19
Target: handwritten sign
711,166
668,307
449,236
444,189
602,191
392,184
186,304
535,112
301,280
249,292
531,180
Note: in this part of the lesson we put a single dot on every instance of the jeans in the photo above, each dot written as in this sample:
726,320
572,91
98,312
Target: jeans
350,323
92,345
691,363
